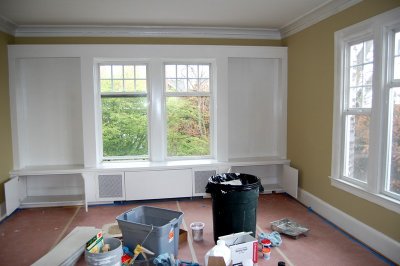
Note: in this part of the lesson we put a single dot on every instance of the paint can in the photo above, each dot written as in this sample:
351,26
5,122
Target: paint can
266,252
265,243
197,230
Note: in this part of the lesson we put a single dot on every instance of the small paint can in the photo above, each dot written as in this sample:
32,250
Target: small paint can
265,243
266,252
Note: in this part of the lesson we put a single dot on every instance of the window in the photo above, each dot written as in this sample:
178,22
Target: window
366,130
187,91
124,110
171,120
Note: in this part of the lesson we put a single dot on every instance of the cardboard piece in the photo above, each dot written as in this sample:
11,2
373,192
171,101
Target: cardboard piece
243,246
182,236
216,261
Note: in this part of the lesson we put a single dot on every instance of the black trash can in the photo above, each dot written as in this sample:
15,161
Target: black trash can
234,203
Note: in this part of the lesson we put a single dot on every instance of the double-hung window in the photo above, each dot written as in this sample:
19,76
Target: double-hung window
366,130
124,92
187,98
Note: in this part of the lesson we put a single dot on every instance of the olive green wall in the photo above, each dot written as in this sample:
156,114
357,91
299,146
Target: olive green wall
310,114
6,160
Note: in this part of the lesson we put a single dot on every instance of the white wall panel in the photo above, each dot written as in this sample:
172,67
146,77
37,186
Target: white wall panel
254,124
51,120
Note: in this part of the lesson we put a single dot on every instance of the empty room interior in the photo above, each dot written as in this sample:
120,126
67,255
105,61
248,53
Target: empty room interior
229,114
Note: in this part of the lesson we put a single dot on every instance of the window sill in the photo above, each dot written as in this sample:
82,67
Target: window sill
180,164
380,199
147,165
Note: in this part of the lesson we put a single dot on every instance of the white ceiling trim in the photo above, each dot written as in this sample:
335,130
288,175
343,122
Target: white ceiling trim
316,15
144,31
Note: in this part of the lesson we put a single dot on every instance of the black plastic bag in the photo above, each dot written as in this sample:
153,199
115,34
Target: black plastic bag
222,182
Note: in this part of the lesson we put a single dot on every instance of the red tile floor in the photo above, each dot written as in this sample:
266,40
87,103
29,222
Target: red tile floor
28,234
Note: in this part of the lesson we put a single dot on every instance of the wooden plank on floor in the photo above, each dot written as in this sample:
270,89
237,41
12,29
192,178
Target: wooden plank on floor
70,248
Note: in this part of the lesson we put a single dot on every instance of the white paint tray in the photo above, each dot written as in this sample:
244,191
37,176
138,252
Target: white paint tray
289,227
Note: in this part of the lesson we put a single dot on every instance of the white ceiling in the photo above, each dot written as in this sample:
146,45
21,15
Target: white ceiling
248,14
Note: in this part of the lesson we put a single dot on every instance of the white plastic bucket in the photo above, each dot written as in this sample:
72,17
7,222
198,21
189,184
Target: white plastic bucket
197,230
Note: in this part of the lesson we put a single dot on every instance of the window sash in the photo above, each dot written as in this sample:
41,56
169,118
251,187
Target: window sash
123,143
354,165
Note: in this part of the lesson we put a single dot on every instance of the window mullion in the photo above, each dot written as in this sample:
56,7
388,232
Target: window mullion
157,111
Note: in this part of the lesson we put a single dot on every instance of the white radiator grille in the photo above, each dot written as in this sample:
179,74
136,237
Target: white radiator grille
201,180
110,186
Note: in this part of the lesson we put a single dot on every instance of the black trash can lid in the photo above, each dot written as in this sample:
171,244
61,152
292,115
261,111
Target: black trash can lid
233,182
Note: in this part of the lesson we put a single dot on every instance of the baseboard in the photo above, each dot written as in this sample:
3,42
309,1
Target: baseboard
3,213
360,231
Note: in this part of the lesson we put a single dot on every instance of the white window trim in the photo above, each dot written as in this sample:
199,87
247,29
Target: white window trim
376,28
157,126
99,111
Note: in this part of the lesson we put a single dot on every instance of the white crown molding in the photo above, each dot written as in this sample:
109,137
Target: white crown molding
7,26
316,15
145,31
312,17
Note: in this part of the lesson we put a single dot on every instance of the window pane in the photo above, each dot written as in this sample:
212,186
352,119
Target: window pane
118,85
193,85
140,72
397,43
124,126
356,147
193,71
129,72
356,76
204,71
181,71
360,97
105,85
141,86
188,126
394,160
368,51
105,72
367,97
367,74
204,85
170,71
170,85
129,85
181,85
356,54
117,72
